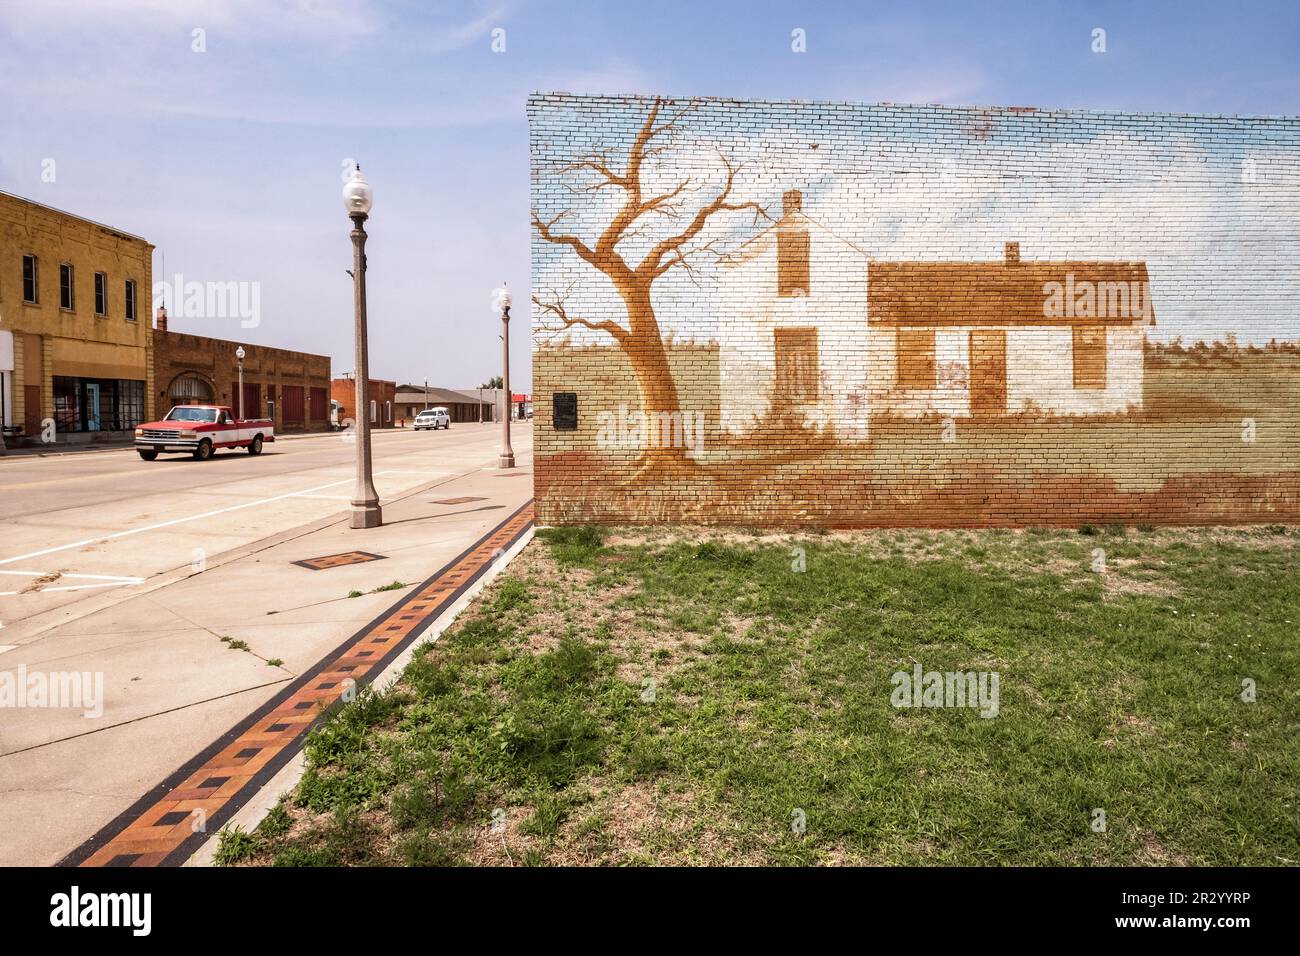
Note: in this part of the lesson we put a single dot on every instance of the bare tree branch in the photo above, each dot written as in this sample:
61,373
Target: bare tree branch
557,309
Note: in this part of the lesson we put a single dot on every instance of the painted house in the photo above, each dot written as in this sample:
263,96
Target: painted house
832,337
791,335
1004,338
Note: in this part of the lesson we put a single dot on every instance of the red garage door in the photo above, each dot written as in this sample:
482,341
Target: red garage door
318,404
252,400
293,405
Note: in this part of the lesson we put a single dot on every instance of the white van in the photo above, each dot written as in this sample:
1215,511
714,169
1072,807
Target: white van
433,418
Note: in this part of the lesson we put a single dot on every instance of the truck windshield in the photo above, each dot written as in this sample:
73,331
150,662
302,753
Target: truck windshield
191,415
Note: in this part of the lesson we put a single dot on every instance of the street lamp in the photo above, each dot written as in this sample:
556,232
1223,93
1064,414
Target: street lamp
501,300
358,197
239,354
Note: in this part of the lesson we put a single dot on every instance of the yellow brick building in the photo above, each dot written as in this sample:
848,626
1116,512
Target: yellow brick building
75,305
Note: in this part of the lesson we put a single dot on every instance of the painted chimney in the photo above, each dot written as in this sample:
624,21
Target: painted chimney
1013,253
160,320
791,201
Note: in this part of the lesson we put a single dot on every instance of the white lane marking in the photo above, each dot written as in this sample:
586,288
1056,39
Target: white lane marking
94,577
108,581
175,521
72,587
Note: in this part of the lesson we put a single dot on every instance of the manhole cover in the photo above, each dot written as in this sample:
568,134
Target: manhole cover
456,501
338,560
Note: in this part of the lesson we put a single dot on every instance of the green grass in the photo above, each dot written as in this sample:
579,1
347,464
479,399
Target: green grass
677,700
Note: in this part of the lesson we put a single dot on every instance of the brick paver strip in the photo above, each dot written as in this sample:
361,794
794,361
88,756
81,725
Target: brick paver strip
338,560
158,830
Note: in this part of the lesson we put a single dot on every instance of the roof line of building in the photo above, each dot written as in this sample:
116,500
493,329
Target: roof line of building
73,215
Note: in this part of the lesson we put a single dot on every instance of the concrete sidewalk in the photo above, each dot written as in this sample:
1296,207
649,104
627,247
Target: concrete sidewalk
172,685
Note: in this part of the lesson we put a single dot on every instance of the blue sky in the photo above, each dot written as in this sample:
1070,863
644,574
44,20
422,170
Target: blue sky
229,160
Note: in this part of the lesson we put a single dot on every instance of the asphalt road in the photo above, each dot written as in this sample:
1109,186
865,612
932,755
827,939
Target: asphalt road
83,522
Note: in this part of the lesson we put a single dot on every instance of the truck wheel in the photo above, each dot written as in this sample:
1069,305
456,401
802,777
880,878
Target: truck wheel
255,446
204,451
147,455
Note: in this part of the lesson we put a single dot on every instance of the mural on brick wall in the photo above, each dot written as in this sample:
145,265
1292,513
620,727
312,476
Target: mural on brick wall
806,313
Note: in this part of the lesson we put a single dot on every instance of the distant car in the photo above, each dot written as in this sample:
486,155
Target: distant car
433,418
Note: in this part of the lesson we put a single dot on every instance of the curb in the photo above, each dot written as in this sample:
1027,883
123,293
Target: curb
168,824
263,802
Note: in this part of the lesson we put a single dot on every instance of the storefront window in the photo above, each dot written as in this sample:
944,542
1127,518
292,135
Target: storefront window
95,404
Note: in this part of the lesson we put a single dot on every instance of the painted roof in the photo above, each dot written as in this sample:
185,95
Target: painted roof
935,294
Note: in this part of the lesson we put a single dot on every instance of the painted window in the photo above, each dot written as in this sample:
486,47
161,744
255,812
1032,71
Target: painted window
67,297
792,247
916,366
31,287
101,294
1089,357
797,372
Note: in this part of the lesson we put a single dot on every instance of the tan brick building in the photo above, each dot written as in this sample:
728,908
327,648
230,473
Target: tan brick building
74,324
291,388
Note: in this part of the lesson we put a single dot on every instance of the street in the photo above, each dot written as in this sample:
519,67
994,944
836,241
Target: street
177,582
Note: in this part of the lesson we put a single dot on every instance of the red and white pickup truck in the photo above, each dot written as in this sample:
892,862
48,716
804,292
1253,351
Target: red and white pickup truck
200,430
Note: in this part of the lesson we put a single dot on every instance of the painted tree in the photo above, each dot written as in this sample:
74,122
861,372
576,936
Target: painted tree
641,339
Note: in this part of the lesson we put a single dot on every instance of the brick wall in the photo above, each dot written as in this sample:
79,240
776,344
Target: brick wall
201,365
383,395
796,313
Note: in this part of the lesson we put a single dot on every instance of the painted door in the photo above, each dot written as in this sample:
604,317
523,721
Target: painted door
988,372
92,407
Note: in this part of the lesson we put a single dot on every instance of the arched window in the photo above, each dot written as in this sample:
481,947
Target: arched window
189,388
374,411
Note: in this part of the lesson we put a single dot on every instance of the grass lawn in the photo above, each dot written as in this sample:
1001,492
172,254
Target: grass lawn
627,696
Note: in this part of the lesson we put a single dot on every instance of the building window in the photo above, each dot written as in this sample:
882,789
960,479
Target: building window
189,388
388,412
101,294
93,404
67,298
796,365
130,300
792,246
31,287
916,367
374,411
1090,357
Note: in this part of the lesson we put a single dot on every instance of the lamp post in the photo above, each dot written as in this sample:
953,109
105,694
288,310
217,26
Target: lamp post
501,300
239,354
358,197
